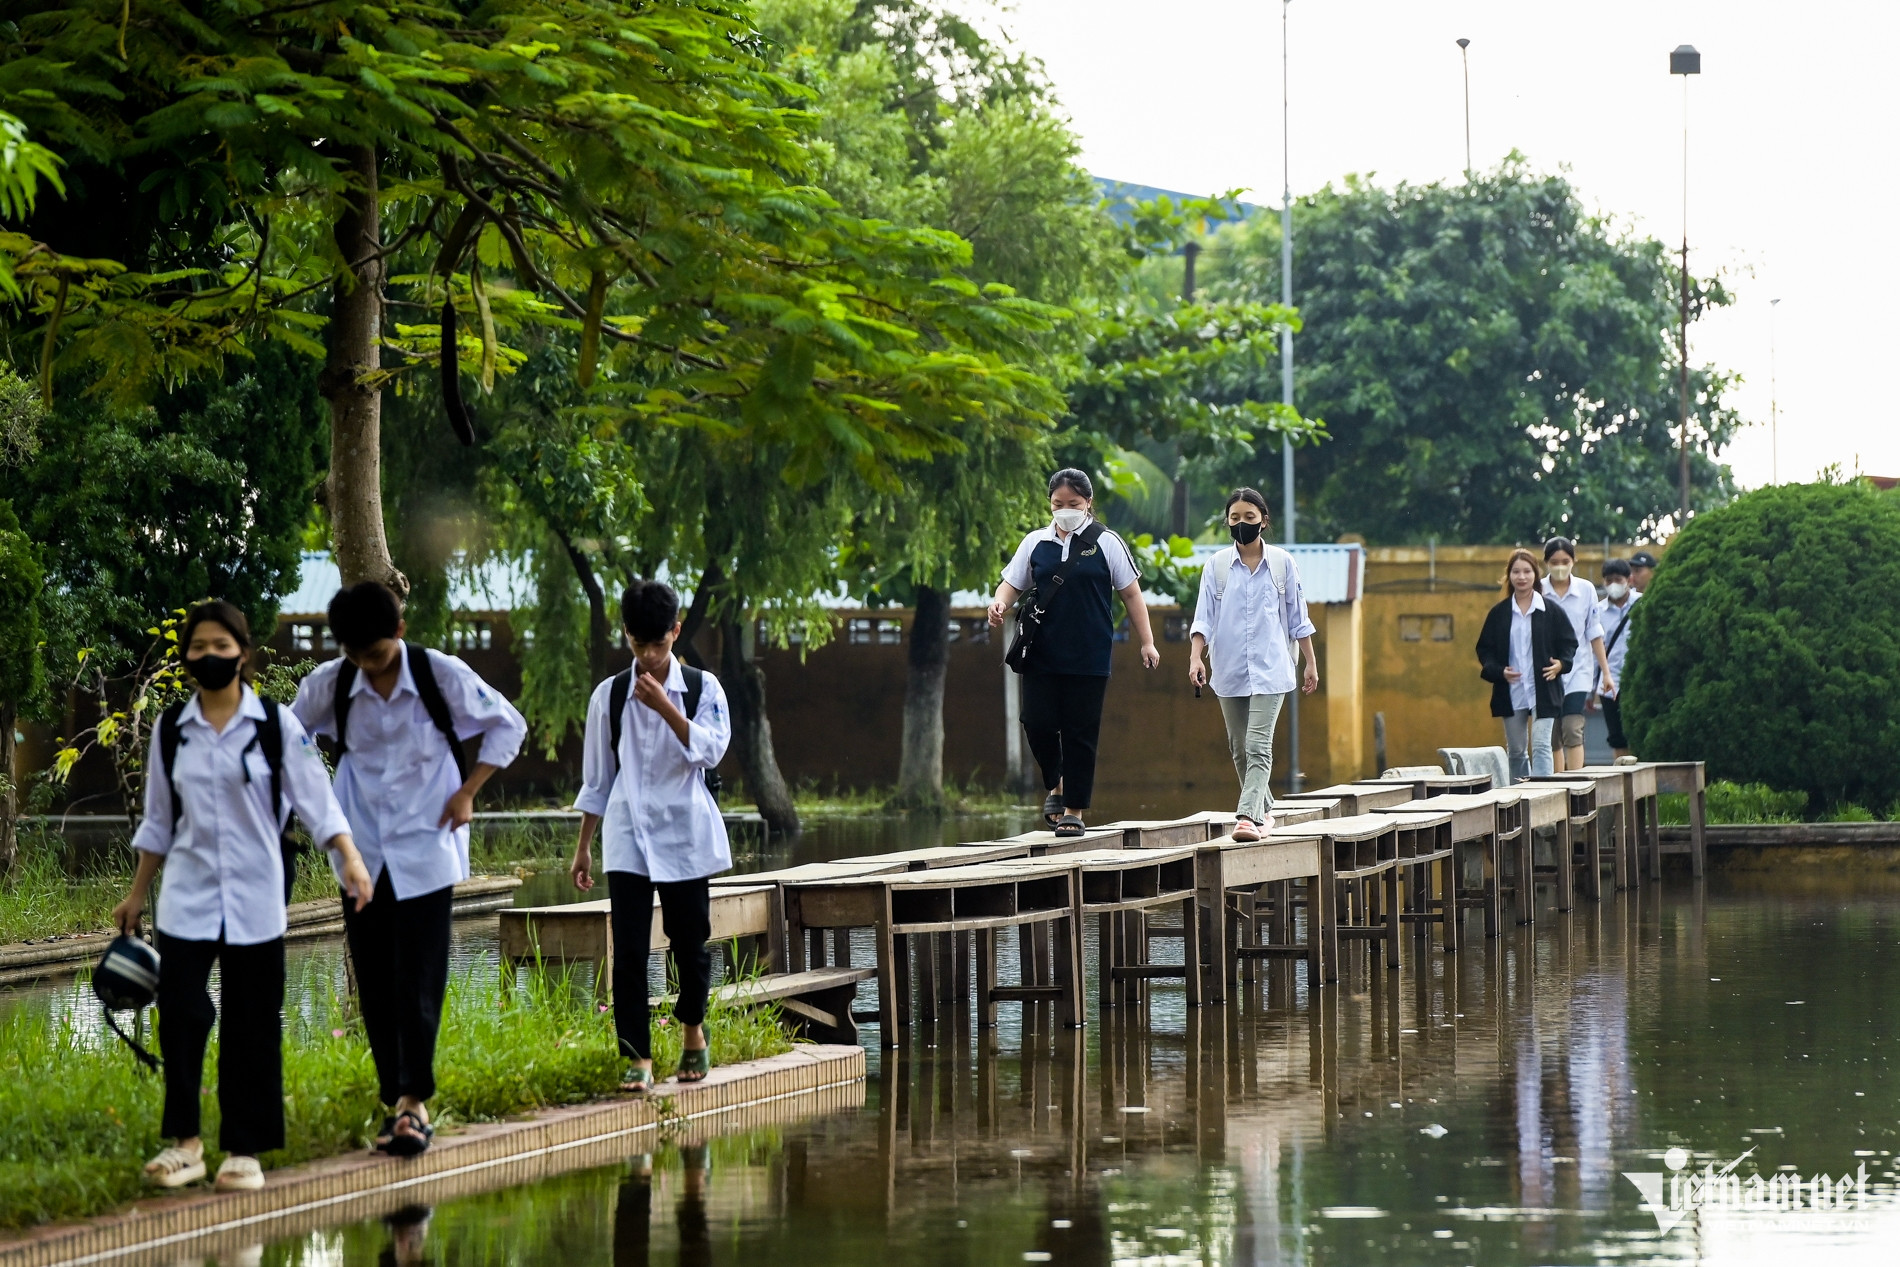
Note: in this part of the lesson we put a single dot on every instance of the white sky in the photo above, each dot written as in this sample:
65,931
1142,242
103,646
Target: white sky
1793,125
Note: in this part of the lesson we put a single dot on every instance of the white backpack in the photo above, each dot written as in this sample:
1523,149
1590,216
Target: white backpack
1279,571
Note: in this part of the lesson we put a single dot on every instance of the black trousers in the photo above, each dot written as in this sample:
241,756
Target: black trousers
400,950
685,916
1613,720
250,1039
1062,718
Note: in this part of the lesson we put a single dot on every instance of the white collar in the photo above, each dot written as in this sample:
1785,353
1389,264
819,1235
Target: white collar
1537,604
248,706
404,681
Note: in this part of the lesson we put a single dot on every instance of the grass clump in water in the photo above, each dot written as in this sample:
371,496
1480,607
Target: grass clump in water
79,1116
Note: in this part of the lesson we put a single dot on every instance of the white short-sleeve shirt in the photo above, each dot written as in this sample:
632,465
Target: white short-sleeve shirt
1122,571
1580,604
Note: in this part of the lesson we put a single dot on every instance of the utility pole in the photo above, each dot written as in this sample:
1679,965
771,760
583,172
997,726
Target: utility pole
1296,779
1684,61
1178,507
1774,411
1464,55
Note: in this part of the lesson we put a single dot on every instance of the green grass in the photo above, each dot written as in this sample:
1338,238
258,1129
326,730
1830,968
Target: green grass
970,798
1750,803
79,1117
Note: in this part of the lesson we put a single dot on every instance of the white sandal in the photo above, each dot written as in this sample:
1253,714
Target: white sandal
174,1168
1245,831
239,1174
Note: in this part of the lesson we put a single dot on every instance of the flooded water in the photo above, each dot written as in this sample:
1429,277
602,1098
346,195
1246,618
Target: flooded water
1479,1108
1482,1108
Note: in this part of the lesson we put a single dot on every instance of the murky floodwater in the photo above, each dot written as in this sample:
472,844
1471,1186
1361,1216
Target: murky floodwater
1477,1108
1474,1109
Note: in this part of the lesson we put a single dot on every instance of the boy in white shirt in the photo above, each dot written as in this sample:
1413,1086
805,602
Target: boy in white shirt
655,732
408,793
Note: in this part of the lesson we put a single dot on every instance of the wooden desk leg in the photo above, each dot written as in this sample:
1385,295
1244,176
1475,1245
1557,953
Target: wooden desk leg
1567,863
1621,867
1107,958
901,946
1698,823
1392,912
1593,873
1213,900
1135,947
1630,839
887,996
1652,827
927,958
1527,876
985,978
1453,913
1488,877
1067,936
1324,908
794,935
1191,947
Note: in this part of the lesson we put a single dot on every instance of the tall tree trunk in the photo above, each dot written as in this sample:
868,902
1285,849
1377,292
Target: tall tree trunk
920,771
9,803
695,619
597,628
354,490
751,730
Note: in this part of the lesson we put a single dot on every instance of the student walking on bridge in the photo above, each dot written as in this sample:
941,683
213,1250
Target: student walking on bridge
1068,575
1251,618
1524,651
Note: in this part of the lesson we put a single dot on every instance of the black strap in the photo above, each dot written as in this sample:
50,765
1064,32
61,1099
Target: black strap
428,690
269,740
1620,627
170,735
622,688
146,1058
1087,536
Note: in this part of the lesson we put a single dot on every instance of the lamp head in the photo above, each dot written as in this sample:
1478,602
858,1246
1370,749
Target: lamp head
1684,60
1463,43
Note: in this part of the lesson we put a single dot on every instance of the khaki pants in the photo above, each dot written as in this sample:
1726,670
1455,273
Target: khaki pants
1250,720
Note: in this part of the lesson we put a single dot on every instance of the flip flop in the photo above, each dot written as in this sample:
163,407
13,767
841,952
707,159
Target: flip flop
1052,808
414,1144
174,1168
384,1134
1070,826
695,1064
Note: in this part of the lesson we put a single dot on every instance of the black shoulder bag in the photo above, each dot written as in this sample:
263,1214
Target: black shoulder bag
1035,603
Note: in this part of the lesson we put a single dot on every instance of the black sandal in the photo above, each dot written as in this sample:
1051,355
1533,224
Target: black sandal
415,1145
1070,826
1051,809
384,1133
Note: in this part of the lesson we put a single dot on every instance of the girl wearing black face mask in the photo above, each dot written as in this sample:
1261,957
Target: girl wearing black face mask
221,780
1252,618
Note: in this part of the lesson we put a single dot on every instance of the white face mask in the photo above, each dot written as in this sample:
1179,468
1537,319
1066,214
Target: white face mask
1559,573
1617,591
1071,520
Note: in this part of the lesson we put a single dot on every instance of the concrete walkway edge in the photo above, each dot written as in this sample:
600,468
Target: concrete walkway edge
482,1157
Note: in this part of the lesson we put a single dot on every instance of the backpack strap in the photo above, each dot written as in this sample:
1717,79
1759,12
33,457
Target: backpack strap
617,695
340,706
170,735
1222,562
430,691
695,685
1280,568
270,741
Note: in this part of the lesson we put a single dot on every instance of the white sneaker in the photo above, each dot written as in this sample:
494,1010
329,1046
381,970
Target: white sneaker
239,1174
175,1167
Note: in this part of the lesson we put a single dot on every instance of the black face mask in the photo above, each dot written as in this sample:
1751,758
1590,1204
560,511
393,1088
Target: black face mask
1246,534
214,672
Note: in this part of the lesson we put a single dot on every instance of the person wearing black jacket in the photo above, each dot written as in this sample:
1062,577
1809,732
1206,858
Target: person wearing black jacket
1524,651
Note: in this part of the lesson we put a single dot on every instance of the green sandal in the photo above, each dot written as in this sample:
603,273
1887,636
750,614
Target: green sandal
637,1080
695,1064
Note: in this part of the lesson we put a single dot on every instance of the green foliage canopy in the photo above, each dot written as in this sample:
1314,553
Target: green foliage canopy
1767,644
1493,362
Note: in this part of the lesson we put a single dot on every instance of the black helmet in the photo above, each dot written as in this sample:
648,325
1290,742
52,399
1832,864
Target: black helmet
126,980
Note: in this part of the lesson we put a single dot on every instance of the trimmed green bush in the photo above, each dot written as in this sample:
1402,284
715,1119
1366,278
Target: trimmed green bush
1768,645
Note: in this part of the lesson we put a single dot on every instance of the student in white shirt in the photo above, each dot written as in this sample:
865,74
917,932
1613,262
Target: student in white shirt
1578,598
214,818
1613,614
1524,651
409,799
1250,616
660,828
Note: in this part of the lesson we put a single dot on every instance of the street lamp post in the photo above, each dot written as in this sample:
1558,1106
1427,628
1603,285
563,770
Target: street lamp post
1464,55
1295,779
1685,61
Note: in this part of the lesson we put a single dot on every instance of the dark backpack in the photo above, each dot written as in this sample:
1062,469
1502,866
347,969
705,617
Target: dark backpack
269,740
622,688
427,690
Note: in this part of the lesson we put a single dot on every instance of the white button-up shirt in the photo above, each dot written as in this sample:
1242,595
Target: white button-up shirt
224,872
1580,604
1524,690
397,773
1122,571
657,817
1247,627
1610,618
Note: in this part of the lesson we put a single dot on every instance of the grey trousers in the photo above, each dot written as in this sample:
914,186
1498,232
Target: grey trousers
1250,721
